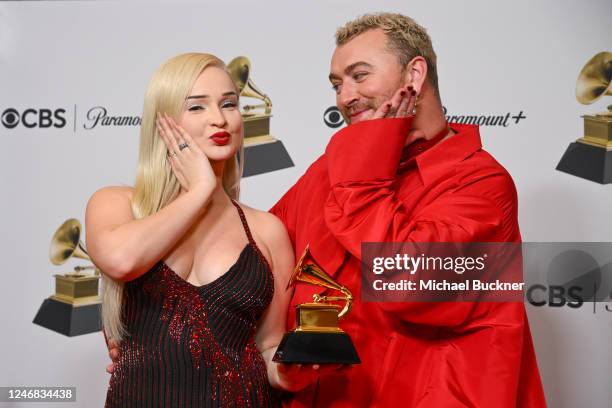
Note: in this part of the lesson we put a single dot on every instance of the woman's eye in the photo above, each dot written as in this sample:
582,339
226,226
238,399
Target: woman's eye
195,108
229,104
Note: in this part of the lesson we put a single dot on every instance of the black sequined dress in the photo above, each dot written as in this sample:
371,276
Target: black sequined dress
193,346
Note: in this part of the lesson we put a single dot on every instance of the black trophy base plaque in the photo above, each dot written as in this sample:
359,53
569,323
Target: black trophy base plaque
589,162
67,319
316,348
265,157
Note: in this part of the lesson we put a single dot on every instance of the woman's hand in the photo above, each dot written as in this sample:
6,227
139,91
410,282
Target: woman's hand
189,163
114,354
294,377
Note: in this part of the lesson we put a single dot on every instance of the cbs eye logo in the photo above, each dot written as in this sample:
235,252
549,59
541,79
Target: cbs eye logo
32,118
332,117
10,118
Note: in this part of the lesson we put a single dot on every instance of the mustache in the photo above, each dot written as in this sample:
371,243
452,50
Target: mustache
359,107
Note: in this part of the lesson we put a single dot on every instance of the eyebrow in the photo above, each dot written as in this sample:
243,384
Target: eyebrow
351,68
230,93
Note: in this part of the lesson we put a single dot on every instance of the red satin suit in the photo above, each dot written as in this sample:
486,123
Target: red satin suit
368,188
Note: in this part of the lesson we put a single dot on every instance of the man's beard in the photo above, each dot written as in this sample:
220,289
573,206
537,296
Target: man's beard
370,103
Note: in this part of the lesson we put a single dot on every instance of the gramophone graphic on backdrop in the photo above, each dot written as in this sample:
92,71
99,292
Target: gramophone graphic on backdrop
590,157
262,152
74,309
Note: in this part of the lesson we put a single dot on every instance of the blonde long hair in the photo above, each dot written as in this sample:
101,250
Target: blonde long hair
156,185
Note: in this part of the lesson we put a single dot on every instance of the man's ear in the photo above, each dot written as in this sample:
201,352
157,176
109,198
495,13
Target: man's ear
416,73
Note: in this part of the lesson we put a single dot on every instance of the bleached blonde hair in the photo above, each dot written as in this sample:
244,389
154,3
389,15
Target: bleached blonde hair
405,38
156,185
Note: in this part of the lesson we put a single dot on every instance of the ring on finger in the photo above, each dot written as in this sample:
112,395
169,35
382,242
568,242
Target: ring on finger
183,146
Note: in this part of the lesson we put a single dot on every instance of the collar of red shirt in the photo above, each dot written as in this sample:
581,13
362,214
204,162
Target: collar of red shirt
433,158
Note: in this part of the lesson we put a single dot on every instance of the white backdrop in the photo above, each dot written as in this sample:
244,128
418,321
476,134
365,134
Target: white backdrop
494,57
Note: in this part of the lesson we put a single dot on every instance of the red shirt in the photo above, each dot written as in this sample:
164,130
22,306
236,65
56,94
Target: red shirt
413,354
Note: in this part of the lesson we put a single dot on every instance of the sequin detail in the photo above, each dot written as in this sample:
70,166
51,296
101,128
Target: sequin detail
194,346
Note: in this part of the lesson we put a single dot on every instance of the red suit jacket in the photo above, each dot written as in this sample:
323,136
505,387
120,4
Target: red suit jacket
413,354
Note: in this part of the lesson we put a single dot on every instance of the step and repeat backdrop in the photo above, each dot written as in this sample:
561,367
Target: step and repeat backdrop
72,80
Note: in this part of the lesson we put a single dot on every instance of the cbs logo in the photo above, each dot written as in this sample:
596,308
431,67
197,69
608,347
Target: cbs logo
573,278
555,296
332,117
32,118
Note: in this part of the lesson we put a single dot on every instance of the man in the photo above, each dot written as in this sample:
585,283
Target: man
404,179
393,177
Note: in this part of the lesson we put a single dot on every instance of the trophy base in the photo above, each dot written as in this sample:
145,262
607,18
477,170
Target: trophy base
265,157
298,347
67,319
588,162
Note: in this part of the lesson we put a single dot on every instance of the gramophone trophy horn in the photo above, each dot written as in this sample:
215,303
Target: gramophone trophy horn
66,243
590,157
263,152
317,338
595,79
311,273
74,309
240,68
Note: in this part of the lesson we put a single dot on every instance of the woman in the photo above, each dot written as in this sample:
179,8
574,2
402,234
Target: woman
195,281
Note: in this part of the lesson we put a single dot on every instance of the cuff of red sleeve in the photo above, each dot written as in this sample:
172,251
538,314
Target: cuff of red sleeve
368,150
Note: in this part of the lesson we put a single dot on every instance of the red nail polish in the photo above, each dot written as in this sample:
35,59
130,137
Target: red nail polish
403,93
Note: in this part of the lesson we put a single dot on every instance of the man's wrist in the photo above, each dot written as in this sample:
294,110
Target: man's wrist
369,150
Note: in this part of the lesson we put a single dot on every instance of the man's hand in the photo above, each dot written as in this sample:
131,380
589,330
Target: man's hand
399,106
113,353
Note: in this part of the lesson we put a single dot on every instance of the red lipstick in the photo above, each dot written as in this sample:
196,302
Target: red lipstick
221,138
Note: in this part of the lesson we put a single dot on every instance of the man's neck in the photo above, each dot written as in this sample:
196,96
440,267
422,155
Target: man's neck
429,120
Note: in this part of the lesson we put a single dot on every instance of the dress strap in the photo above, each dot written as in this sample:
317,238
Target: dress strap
247,230
245,225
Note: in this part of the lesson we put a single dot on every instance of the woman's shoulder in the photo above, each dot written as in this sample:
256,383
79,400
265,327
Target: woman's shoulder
111,194
125,191
271,236
262,220
267,229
